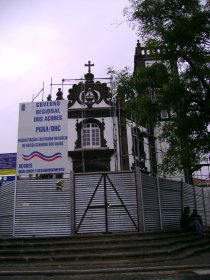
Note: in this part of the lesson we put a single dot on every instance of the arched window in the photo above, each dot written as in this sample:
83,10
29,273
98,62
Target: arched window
90,135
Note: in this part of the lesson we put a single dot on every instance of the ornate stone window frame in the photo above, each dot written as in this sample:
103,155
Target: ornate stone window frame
79,126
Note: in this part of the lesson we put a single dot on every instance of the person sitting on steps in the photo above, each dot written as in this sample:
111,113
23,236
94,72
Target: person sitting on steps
190,223
196,216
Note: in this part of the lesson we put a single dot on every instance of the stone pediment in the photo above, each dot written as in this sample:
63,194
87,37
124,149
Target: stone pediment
89,93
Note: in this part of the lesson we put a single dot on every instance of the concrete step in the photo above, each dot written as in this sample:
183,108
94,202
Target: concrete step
83,240
96,249
123,247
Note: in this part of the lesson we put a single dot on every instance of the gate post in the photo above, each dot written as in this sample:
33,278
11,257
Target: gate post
204,207
106,204
182,195
72,203
194,195
159,203
14,210
140,200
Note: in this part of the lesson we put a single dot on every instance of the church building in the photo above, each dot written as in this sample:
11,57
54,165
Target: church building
101,137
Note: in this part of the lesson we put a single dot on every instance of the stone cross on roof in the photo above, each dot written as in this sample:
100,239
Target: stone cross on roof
89,65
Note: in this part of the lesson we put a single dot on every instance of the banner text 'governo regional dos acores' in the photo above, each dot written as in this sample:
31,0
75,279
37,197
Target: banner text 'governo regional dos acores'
42,138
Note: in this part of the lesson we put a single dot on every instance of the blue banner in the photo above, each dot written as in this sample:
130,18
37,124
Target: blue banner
8,161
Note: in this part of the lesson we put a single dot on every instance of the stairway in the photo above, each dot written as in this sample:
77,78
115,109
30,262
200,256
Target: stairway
104,250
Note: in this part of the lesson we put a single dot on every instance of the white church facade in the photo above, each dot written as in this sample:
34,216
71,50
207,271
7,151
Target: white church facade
100,137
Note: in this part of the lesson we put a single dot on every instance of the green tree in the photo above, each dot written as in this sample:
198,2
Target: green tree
180,29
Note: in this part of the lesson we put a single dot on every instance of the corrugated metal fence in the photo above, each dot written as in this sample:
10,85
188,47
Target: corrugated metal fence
97,202
41,209
35,208
163,201
7,194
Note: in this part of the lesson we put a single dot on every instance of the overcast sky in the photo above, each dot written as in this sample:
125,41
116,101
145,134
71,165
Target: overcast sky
40,39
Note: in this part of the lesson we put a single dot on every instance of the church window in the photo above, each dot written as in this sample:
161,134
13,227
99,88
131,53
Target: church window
164,114
91,135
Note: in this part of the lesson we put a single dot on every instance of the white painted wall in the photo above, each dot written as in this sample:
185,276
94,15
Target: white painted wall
80,106
161,148
130,142
72,134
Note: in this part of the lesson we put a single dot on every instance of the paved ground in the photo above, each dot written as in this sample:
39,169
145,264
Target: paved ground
173,275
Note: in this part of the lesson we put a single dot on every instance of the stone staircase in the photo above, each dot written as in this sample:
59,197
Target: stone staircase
99,251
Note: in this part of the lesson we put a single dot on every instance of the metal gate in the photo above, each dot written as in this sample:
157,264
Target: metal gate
97,203
105,202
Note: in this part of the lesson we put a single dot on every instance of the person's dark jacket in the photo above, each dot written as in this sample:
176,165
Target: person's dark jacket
185,220
197,217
